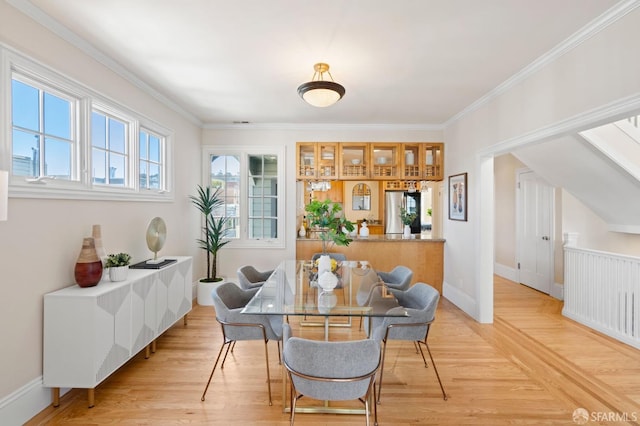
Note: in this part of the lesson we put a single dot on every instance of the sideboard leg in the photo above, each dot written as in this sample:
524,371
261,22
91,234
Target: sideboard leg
153,346
147,352
185,319
55,397
91,397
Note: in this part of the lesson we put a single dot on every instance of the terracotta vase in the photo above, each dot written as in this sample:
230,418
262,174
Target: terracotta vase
88,269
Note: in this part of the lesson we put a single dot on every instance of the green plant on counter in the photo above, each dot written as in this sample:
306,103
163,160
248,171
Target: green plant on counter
325,216
119,259
406,217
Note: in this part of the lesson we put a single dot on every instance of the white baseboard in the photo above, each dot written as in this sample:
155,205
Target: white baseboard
506,272
23,404
557,291
461,299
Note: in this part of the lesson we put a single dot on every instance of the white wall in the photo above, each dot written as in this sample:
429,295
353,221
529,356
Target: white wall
601,70
42,238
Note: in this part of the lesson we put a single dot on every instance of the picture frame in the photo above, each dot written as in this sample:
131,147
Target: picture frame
458,197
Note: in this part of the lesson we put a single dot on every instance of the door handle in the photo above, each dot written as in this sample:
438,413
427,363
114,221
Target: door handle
545,238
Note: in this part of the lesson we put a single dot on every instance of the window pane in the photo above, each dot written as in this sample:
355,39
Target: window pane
25,108
116,136
154,176
144,137
99,162
263,228
25,154
57,158
154,148
117,170
98,130
143,174
57,116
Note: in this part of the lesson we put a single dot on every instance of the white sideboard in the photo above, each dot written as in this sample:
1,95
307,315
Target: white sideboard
90,332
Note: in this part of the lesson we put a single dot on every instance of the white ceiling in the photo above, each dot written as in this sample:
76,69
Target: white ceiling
402,62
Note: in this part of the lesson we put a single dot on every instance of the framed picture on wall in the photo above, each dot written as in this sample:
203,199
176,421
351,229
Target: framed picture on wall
458,197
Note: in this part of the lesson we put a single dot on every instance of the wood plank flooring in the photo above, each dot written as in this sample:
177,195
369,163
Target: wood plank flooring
531,366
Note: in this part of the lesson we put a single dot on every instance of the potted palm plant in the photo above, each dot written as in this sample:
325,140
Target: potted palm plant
118,265
208,201
324,218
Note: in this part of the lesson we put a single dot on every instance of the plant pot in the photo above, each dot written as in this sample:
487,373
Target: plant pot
118,273
407,231
204,290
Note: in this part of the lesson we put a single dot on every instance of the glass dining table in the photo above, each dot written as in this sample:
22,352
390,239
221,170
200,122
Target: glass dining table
295,290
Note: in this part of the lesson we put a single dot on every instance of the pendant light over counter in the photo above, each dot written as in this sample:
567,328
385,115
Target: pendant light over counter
320,92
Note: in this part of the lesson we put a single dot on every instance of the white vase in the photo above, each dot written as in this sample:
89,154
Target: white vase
407,231
118,273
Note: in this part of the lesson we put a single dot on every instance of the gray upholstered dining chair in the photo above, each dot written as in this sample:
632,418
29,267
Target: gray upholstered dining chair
249,277
399,278
331,371
228,300
420,302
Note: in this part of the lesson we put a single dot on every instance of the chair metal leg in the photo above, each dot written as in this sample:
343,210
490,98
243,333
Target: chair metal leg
417,344
444,395
384,352
266,356
214,368
230,345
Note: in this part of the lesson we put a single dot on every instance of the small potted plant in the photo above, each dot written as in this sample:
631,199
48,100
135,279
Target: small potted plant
407,219
118,265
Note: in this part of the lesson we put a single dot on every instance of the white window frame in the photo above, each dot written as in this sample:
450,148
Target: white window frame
87,99
243,152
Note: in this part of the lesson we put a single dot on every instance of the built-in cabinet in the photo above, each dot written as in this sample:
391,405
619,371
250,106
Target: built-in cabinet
370,160
317,160
90,332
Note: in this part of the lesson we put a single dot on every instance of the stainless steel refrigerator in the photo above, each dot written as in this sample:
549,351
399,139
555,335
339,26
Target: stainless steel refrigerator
393,201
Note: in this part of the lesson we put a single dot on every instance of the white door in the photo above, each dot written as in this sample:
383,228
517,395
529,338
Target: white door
535,231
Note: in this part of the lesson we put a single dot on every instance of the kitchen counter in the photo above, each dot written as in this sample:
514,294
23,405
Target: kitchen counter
423,254
388,237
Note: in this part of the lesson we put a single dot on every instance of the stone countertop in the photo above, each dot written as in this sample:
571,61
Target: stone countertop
388,237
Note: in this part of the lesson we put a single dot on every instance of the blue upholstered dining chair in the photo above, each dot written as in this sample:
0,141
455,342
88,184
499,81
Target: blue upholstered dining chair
420,302
331,371
249,277
229,300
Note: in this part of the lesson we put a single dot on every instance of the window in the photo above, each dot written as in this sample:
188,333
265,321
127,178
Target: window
151,151
250,178
75,143
43,138
262,181
109,150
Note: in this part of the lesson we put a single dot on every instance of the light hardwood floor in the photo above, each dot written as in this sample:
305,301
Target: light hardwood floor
531,366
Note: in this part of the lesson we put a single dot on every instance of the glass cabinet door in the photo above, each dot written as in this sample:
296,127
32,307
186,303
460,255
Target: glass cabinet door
327,159
307,162
385,158
354,161
432,161
411,161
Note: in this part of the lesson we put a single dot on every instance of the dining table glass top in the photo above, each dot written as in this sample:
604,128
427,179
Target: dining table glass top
294,288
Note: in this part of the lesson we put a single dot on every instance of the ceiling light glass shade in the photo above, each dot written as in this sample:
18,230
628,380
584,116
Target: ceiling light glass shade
319,92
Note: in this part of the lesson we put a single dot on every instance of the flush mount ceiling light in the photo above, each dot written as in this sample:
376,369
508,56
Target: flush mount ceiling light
320,92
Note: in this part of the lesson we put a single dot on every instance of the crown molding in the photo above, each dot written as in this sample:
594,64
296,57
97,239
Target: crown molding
591,29
35,13
322,126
